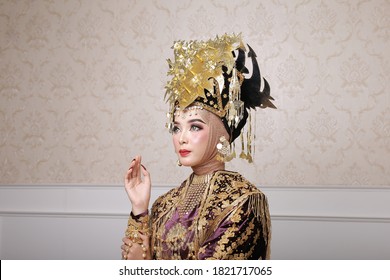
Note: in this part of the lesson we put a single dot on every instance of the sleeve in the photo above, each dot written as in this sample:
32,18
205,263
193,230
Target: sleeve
243,233
136,224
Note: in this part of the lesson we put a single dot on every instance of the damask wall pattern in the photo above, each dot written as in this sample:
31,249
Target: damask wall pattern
82,86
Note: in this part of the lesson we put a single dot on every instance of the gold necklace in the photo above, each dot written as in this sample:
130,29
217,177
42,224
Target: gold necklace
193,193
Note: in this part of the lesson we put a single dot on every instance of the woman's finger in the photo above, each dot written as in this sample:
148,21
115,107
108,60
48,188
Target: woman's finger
128,174
145,240
132,163
136,167
146,175
126,240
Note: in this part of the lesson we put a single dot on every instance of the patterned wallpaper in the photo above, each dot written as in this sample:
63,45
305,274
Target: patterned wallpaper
82,86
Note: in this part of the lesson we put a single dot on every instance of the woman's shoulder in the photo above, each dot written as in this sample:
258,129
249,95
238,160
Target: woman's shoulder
230,174
230,190
233,181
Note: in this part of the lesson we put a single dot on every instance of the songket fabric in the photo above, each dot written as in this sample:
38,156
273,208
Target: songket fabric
231,222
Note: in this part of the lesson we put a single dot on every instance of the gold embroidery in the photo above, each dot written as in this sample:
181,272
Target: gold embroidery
228,198
175,239
136,226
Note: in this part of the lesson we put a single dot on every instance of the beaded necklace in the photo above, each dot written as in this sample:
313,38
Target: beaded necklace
193,193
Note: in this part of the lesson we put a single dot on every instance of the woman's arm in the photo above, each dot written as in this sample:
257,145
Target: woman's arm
138,188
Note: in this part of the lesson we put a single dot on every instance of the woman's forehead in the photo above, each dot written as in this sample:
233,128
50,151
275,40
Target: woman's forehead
183,116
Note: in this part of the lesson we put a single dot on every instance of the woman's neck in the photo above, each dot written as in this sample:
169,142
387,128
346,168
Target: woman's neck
208,167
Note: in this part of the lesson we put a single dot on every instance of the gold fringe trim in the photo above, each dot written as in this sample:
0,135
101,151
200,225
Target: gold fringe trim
258,204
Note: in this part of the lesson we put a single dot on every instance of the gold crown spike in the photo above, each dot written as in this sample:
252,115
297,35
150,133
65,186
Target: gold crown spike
196,65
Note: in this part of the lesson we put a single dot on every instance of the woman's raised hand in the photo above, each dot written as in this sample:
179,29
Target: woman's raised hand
138,186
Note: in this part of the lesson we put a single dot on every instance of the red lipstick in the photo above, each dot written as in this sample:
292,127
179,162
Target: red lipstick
184,153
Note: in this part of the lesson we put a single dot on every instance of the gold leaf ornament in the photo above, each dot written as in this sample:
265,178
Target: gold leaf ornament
197,65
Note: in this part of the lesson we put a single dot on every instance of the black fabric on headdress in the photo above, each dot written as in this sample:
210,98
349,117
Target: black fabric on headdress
250,88
251,94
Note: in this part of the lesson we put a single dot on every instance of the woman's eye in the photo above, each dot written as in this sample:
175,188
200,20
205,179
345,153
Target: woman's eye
175,129
195,128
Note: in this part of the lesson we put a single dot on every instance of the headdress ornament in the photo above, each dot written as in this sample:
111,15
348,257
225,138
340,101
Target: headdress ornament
211,75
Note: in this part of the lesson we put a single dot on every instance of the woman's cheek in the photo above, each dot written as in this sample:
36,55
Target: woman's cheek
201,138
175,141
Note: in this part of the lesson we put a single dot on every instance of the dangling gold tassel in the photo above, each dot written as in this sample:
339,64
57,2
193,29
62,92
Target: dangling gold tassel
259,205
249,139
235,107
169,123
233,151
242,155
246,141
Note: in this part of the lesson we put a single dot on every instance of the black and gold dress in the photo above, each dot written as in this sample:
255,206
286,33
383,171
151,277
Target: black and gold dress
230,220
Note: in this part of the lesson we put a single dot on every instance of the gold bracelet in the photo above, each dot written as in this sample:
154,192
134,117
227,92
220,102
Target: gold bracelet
143,251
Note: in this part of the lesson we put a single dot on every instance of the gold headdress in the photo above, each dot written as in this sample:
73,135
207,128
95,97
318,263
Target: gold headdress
211,75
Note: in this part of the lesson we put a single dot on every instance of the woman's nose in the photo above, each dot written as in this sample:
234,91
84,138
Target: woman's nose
183,138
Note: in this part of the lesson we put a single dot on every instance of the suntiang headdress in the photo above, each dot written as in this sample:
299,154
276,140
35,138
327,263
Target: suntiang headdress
211,75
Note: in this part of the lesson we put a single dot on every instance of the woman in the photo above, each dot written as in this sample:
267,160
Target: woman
214,213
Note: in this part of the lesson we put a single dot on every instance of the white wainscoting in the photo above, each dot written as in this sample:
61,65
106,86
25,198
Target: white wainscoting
88,222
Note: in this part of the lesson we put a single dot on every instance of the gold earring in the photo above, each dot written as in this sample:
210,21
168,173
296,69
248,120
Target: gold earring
179,163
223,148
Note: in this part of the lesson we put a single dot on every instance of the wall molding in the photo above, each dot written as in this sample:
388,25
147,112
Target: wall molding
96,215
319,222
169,186
110,202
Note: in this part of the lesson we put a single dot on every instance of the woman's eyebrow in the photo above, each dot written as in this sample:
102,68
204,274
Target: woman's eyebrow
196,120
190,121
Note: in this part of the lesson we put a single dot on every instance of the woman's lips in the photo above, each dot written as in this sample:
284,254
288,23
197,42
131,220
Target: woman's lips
184,153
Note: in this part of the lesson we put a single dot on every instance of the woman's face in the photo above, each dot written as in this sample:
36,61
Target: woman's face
190,137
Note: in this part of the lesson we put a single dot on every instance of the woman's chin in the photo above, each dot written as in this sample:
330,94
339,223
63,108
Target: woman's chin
187,162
